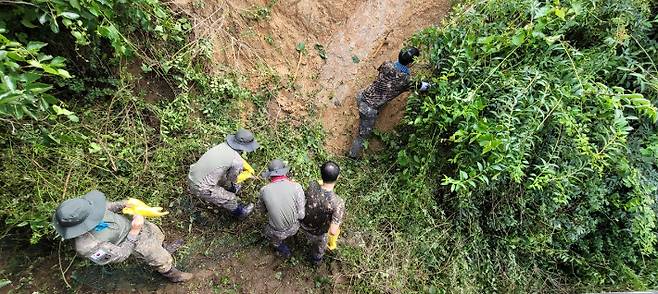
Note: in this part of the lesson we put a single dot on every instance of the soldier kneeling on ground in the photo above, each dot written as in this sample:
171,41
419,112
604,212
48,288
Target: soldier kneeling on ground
104,236
324,211
214,176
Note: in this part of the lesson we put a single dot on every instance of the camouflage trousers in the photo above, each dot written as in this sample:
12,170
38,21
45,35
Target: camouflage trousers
216,195
148,248
276,237
318,243
367,119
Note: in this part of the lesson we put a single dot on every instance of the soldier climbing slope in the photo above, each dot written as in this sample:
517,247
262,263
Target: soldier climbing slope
214,177
324,211
103,236
284,201
393,79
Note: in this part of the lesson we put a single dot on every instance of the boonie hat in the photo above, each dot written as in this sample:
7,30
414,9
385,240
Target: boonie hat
242,140
276,168
77,216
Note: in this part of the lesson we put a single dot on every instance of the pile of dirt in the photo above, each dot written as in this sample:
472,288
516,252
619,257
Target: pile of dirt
344,43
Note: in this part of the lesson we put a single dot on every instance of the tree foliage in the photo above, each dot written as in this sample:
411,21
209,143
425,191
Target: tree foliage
546,115
29,71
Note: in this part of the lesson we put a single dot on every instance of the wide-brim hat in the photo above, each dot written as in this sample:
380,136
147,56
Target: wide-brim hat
77,216
276,168
242,140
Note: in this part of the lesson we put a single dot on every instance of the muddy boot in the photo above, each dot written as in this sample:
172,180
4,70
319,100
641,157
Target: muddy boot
356,148
176,276
243,210
316,260
173,246
283,251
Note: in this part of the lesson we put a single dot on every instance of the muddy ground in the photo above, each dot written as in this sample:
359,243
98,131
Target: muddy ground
343,43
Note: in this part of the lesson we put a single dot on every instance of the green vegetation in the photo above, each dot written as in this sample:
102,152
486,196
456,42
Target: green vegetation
540,131
530,166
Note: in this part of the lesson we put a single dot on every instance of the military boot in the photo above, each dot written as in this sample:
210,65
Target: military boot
356,148
283,250
243,210
173,246
316,260
176,276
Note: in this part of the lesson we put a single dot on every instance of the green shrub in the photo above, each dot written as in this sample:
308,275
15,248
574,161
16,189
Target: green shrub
546,123
29,70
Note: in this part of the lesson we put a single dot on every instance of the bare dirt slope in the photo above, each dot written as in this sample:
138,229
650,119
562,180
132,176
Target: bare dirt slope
260,39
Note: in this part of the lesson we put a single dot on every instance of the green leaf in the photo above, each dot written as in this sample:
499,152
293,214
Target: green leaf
146,68
552,39
61,111
4,283
43,18
560,12
28,23
519,38
160,13
94,148
75,4
63,73
12,65
34,46
49,69
78,36
38,88
15,56
73,118
70,15
486,40
51,137
9,82
57,61
301,47
54,26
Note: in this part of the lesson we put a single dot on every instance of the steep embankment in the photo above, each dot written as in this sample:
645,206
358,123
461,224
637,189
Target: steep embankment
261,40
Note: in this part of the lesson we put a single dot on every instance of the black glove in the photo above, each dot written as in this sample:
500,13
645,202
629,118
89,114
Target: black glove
234,188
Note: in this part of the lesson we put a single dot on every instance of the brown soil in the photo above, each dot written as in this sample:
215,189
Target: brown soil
259,38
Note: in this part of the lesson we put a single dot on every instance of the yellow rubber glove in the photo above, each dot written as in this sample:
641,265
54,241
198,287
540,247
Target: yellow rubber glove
132,202
246,173
135,206
333,241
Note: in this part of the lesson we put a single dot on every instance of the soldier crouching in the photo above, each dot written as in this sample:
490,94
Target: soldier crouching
104,236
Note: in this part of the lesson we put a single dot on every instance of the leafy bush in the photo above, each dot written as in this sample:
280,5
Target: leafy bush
29,72
544,116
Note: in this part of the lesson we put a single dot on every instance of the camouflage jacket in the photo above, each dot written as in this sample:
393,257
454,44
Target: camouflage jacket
322,209
389,84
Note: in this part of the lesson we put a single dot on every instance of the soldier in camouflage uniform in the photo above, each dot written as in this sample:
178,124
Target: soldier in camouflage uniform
103,236
324,211
214,177
284,201
393,80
